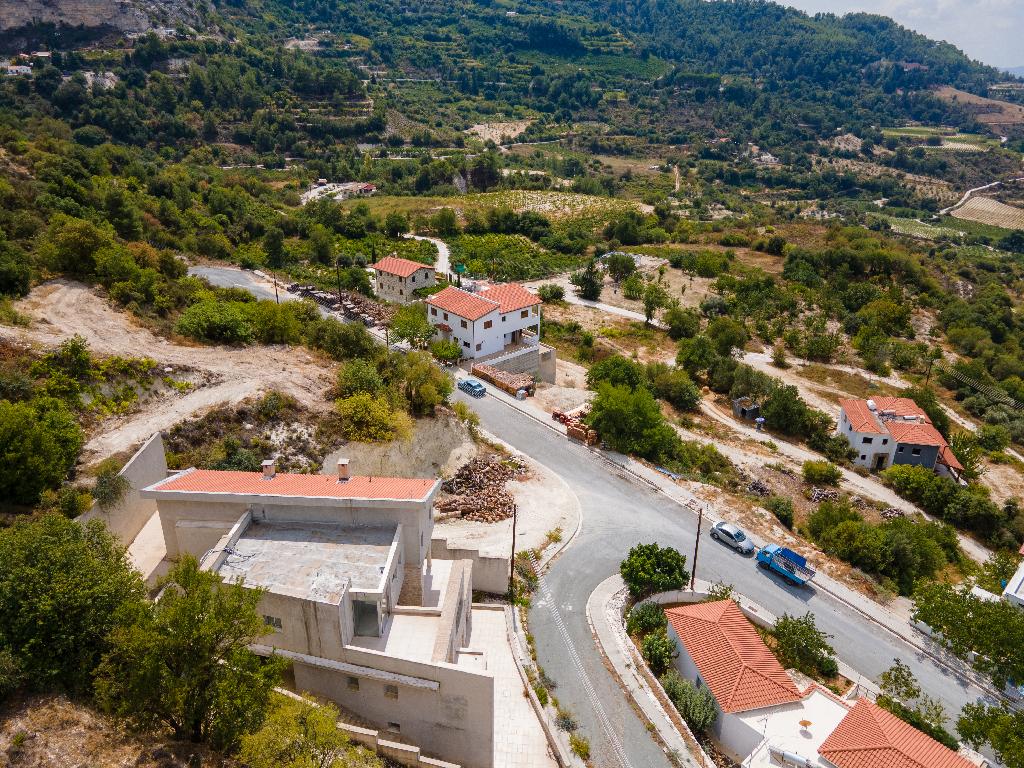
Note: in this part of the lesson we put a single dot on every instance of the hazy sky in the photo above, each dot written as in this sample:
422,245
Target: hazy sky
989,30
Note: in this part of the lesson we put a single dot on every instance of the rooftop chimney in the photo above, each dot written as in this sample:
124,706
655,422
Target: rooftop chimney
343,475
269,469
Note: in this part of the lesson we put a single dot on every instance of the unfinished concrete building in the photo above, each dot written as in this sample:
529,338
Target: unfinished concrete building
368,619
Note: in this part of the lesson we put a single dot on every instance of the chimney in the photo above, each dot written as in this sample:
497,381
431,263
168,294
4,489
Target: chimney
269,469
343,475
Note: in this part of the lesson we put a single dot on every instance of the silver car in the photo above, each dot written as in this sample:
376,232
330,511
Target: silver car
734,536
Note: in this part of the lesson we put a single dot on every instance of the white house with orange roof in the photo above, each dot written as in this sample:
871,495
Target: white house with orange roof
395,279
894,430
365,615
766,721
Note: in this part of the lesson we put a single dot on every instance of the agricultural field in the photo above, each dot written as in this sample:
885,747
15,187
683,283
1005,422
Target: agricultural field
508,257
997,115
920,229
985,210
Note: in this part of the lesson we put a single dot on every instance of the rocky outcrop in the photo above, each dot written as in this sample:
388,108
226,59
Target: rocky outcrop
123,15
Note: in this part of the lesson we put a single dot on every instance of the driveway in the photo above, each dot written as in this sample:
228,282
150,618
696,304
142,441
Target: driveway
619,513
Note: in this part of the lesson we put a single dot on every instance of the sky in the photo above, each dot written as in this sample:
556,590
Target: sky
989,30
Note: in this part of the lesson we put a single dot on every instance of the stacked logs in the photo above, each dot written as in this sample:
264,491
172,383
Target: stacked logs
819,495
478,490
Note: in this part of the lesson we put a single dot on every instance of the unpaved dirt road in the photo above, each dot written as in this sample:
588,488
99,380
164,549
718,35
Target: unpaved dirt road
62,309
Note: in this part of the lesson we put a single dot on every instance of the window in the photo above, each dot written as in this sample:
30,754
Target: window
465,344
445,315
433,311
272,621
391,691
868,440
414,278
900,449
885,441
851,428
488,323
401,292
394,727
915,452
478,347
863,457
353,683
525,313
464,324
503,318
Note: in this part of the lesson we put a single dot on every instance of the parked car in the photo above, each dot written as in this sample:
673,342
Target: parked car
734,536
472,387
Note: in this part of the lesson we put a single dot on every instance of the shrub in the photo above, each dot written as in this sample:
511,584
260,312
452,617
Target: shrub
110,488
551,292
617,371
682,323
649,568
633,287
11,674
220,321
674,385
41,441
782,508
658,651
580,746
366,418
696,705
800,644
645,618
821,473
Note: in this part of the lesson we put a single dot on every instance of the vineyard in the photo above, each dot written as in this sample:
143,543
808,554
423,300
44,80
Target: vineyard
985,210
508,257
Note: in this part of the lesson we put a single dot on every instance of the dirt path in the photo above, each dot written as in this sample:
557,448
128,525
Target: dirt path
61,309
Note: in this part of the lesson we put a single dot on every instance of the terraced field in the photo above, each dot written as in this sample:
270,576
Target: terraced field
985,210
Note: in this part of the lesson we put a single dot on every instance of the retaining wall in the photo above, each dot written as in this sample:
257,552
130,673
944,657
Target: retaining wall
490,573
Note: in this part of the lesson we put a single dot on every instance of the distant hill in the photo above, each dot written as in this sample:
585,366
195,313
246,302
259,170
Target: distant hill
119,15
1018,71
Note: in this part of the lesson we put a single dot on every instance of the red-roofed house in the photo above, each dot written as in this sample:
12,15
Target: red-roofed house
395,279
502,321
894,430
871,737
364,614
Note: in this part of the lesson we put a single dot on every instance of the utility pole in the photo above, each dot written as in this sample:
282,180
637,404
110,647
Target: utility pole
276,297
696,547
512,562
337,270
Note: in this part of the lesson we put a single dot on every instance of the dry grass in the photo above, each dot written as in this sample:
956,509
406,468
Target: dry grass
991,112
53,731
852,384
992,212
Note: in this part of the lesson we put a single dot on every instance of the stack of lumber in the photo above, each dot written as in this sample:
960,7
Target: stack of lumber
478,490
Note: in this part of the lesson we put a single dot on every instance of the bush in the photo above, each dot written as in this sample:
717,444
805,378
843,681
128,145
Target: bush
551,292
696,705
580,746
617,371
674,386
821,473
366,419
633,287
41,441
800,644
11,674
649,568
226,322
658,651
682,323
645,618
782,508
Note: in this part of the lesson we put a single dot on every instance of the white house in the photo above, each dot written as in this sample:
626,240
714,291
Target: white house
395,279
894,430
487,322
765,721
1014,590
365,615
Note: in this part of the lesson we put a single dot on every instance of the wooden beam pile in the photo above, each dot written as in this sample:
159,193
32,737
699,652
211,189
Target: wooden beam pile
477,490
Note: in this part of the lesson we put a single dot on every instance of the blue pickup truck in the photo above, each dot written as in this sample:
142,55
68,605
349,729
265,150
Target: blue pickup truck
785,562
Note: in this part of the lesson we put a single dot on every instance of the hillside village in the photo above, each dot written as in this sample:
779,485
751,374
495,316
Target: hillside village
505,386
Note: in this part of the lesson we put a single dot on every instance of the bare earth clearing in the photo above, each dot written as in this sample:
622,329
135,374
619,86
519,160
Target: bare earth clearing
498,132
995,114
988,211
62,309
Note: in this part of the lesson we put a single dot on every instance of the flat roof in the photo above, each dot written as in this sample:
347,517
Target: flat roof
310,560
209,481
1015,586
782,729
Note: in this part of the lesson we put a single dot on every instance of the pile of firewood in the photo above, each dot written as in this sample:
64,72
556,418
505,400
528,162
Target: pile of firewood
893,513
477,490
759,488
819,495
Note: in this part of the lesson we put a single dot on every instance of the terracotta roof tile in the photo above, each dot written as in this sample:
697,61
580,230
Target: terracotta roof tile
913,433
393,265
733,661
946,457
870,737
284,484
462,303
864,420
860,416
511,296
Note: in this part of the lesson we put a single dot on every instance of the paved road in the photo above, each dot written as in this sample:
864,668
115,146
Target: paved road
233,277
618,513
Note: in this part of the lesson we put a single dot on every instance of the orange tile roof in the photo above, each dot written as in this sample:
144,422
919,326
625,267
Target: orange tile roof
860,416
946,457
393,265
462,303
511,296
870,737
914,433
903,406
284,484
733,661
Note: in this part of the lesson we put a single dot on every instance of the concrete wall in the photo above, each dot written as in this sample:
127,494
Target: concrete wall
146,467
905,455
400,289
454,722
548,361
490,573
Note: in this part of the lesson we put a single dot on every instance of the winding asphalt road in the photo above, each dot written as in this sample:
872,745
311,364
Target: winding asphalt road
619,512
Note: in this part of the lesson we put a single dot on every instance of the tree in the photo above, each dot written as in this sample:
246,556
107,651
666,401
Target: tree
620,266
300,734
41,441
654,298
971,455
551,292
445,223
633,286
658,651
273,246
359,375
588,282
800,644
726,334
367,418
674,385
616,370
998,726
682,323
183,662
321,244
15,272
70,245
821,473
645,617
410,324
61,586
395,224
631,421
649,569
446,351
